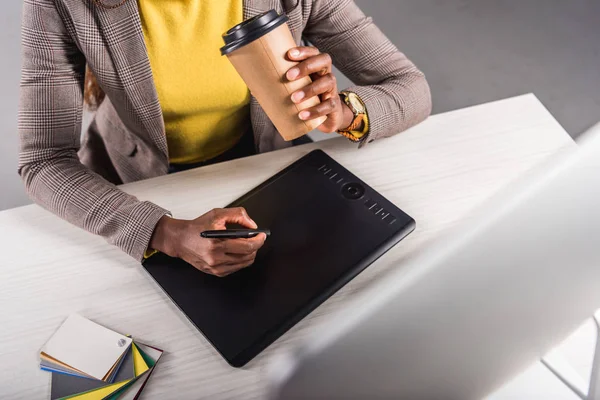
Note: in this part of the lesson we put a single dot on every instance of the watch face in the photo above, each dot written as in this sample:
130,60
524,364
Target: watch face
356,103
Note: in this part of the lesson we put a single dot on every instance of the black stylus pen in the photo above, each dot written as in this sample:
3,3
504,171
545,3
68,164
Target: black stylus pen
234,233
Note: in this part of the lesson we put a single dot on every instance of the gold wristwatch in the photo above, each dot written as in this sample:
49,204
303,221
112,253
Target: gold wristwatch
353,132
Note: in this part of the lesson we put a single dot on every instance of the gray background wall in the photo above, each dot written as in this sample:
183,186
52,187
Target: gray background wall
472,51
11,189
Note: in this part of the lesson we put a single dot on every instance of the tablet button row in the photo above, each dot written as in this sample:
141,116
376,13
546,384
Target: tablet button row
379,211
389,218
370,203
328,172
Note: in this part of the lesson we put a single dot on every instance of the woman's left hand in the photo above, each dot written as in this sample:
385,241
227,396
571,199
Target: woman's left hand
318,66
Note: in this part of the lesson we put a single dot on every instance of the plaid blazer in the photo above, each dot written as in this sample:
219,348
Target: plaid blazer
126,141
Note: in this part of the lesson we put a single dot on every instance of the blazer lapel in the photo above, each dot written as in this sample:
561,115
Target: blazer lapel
121,29
289,7
255,7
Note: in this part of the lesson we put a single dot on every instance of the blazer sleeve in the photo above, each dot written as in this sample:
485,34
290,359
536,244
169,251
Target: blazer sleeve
394,91
50,113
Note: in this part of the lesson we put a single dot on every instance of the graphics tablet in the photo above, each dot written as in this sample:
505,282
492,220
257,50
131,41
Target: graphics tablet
326,227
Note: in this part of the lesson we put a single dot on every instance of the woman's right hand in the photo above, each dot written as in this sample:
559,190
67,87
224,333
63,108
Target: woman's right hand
220,257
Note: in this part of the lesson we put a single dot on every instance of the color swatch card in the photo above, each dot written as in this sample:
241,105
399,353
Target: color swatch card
86,348
64,385
131,391
51,365
75,368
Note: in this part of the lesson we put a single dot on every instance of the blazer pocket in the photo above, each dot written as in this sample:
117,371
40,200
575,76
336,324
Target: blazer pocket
115,136
122,143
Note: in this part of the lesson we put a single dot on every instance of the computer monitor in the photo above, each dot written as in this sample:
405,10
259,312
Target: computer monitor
474,309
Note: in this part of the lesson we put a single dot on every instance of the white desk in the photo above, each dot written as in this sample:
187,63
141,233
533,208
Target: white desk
437,172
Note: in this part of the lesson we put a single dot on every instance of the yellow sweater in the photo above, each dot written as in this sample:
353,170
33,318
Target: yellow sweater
204,101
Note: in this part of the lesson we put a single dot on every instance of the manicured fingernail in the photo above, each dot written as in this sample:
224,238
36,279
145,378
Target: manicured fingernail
296,97
293,73
304,115
294,52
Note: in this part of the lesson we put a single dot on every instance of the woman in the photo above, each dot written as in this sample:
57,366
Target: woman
166,100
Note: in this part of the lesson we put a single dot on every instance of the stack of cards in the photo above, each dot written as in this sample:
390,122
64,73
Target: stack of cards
91,362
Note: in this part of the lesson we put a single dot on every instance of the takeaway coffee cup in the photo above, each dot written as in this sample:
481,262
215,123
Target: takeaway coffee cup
257,49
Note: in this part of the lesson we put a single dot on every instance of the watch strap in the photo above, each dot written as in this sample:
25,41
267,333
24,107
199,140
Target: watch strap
352,132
